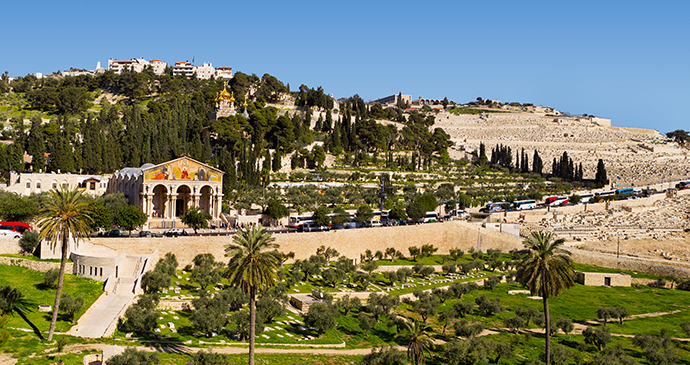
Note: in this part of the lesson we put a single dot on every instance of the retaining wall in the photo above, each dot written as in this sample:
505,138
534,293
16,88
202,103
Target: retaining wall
650,266
41,266
349,242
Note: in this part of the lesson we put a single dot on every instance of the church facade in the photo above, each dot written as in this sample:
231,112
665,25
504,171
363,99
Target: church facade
170,189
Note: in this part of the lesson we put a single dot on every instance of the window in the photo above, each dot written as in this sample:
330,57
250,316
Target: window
90,270
28,185
54,185
38,185
93,186
101,272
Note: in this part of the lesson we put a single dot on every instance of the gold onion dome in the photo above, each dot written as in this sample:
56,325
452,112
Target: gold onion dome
225,95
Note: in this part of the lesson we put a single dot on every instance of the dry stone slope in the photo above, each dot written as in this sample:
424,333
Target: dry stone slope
637,156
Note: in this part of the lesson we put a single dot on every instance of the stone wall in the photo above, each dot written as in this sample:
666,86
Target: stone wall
655,267
350,242
181,305
41,266
10,246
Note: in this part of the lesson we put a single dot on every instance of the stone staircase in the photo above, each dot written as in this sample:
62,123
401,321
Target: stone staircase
102,318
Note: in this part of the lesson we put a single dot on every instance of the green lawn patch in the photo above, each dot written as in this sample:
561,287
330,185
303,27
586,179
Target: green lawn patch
634,274
34,293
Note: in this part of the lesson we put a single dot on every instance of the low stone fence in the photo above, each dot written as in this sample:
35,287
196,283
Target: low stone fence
41,266
650,266
640,281
179,305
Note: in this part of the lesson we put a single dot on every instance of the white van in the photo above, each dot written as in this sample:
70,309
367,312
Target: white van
429,218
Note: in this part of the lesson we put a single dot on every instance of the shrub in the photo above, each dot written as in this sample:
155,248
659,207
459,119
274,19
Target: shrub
50,277
29,242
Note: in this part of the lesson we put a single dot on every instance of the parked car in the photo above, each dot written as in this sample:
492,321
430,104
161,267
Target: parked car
147,234
112,233
175,232
20,227
312,227
5,233
456,214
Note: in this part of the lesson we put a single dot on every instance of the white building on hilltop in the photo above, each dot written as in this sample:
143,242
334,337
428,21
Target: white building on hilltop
136,65
224,73
183,68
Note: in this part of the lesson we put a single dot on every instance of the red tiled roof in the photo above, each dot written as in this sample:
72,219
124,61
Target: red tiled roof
156,61
223,68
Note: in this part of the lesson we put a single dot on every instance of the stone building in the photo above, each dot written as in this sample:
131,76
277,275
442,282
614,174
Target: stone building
603,279
168,190
25,184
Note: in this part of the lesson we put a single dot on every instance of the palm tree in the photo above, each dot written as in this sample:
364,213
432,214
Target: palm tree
65,213
546,270
420,341
254,259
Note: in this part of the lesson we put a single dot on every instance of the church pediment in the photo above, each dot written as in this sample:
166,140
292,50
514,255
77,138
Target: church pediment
183,168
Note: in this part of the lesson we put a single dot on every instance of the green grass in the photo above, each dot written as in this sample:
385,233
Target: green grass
34,293
271,359
31,258
580,303
186,332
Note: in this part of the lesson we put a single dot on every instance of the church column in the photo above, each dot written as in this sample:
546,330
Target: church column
195,200
149,205
173,205
217,206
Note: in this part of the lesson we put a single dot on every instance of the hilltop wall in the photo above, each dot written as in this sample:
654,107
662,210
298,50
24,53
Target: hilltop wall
350,243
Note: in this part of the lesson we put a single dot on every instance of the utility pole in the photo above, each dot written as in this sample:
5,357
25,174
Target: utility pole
479,239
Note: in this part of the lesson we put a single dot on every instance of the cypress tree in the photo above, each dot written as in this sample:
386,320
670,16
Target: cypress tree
600,178
537,165
206,149
35,145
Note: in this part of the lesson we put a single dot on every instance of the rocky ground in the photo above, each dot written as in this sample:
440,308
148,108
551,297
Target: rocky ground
658,230
633,156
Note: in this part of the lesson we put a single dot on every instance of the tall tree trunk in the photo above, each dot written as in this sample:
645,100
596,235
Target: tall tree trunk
58,294
252,323
547,317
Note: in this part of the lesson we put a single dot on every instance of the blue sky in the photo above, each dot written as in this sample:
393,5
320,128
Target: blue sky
625,60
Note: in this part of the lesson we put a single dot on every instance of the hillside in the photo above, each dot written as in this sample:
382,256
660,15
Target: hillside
638,156
101,124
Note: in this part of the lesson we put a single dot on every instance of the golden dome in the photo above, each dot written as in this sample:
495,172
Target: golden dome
225,95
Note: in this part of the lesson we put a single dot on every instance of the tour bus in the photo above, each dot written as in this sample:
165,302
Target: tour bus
525,204
20,227
585,198
555,201
683,185
494,207
377,218
296,221
606,193
626,191
430,217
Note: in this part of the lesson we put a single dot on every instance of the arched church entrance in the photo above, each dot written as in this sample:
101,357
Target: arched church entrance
206,200
184,197
160,199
